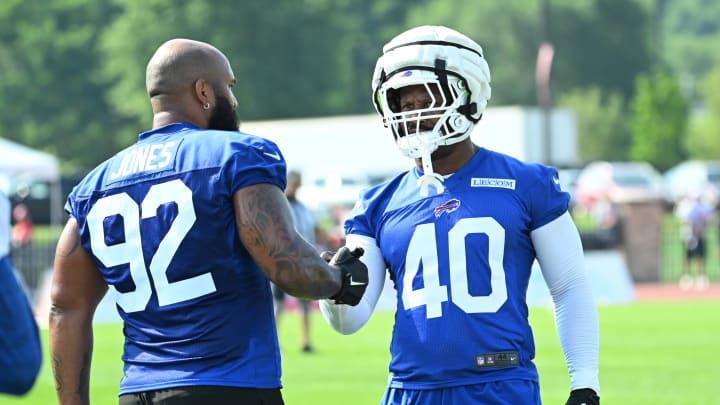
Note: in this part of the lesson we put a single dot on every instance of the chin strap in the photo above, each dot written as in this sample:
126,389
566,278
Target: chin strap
429,178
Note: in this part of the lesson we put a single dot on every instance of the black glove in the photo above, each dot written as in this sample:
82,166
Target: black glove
584,396
354,275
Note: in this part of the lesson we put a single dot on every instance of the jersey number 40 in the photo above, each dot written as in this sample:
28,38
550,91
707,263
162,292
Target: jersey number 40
432,295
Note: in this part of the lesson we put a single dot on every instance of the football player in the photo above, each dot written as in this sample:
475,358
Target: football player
185,228
458,235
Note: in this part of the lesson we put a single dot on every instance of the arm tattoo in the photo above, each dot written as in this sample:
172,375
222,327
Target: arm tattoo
295,262
55,361
83,389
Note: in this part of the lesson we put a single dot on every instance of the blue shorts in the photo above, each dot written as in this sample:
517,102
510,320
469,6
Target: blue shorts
20,349
506,392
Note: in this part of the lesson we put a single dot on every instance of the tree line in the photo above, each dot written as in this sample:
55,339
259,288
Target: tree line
642,75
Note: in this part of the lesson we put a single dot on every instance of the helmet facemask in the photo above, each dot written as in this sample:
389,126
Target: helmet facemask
418,132
440,123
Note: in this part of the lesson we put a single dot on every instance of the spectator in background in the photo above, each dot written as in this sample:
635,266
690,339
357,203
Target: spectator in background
306,226
607,218
695,216
22,228
20,349
336,234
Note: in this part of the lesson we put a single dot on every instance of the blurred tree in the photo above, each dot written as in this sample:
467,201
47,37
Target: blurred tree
72,79
658,121
597,43
51,96
508,33
691,42
601,43
294,59
366,26
602,129
703,140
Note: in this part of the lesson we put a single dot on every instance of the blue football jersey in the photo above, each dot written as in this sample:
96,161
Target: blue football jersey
158,220
461,263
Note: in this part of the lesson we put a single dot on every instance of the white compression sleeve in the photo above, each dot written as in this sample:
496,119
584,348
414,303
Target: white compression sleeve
344,318
560,254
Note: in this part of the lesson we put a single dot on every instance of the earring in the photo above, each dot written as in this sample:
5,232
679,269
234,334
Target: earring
206,106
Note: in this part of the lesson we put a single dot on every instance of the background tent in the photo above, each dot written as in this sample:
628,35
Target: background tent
20,164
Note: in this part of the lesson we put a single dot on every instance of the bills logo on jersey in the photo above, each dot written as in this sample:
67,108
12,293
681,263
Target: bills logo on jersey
450,206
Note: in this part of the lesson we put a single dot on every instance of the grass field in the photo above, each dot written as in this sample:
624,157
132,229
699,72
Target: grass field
659,353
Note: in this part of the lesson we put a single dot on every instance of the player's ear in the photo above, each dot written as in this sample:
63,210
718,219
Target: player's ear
204,92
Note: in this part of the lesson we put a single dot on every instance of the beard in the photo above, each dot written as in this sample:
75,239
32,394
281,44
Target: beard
223,117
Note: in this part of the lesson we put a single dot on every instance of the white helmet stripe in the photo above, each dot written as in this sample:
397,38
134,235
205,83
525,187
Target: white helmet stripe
441,43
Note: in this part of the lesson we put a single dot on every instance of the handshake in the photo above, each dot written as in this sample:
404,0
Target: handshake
353,272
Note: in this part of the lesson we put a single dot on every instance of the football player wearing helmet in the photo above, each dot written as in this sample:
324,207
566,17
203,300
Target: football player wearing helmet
186,227
458,235
20,348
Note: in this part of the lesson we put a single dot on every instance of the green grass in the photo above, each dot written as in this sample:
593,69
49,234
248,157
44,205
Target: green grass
651,353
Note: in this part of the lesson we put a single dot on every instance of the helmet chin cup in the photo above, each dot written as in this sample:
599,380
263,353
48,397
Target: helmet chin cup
429,179
416,145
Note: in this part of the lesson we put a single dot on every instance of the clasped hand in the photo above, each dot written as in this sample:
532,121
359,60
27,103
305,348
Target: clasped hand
354,274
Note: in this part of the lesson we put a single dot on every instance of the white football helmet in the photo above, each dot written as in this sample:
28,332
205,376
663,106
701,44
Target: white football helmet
443,60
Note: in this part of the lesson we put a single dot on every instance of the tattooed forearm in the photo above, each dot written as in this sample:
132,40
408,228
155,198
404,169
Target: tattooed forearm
83,389
55,361
266,228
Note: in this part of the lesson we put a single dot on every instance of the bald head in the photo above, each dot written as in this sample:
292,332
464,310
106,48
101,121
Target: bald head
178,63
191,81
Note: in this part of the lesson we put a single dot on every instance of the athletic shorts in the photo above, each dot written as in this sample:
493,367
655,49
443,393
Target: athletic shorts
695,249
205,395
507,392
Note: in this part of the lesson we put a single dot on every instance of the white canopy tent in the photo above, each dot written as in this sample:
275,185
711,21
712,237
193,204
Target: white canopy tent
20,164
